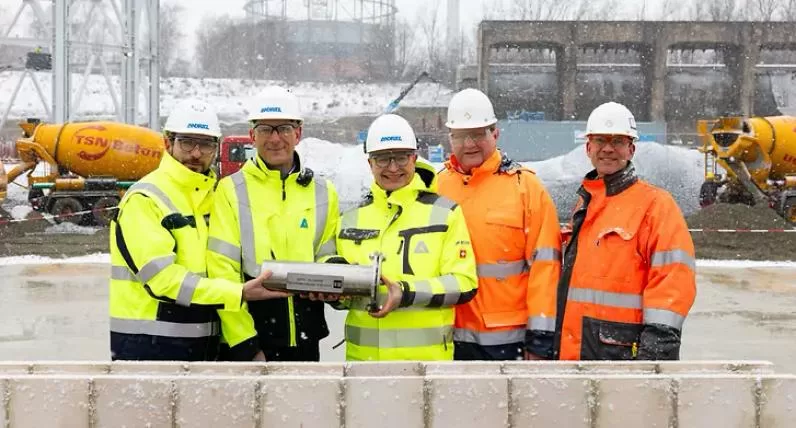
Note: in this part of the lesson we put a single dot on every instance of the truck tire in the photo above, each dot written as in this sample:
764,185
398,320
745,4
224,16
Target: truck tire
101,212
707,193
789,209
63,208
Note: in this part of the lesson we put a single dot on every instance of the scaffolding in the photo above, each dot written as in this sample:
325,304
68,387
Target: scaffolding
74,40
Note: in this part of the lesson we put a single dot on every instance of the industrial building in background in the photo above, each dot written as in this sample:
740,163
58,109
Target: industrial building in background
324,40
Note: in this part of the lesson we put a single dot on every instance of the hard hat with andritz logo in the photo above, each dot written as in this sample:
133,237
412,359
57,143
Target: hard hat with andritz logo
612,119
276,103
193,117
390,132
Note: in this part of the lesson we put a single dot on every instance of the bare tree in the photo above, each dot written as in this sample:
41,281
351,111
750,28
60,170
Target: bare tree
763,10
670,10
789,10
722,10
170,36
403,33
530,10
592,10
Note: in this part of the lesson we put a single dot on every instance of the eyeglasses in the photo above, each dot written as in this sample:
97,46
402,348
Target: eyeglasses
617,141
383,161
188,145
285,130
474,136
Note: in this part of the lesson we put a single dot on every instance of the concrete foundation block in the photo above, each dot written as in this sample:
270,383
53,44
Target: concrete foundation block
617,367
5,392
216,401
385,402
778,401
450,368
14,368
464,401
52,401
304,369
371,369
69,367
522,368
300,402
720,367
162,368
133,401
227,368
550,401
638,401
716,401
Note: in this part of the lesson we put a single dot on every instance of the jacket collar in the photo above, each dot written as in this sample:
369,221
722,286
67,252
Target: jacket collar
496,162
257,167
425,180
184,177
613,184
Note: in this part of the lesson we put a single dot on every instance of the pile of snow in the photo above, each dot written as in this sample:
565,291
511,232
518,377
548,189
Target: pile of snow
231,97
676,169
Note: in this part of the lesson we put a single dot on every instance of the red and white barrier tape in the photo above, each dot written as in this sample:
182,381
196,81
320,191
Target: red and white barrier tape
744,230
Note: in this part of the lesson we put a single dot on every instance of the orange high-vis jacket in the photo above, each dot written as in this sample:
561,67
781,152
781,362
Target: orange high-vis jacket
628,279
514,230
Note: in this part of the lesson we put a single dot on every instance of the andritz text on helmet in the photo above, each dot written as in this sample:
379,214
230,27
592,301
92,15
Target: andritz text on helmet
198,126
271,110
390,138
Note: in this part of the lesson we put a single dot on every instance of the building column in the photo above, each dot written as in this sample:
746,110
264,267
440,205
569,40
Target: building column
484,50
750,56
567,71
741,62
653,62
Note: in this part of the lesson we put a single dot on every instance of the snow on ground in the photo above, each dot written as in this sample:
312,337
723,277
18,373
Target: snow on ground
39,260
231,97
105,259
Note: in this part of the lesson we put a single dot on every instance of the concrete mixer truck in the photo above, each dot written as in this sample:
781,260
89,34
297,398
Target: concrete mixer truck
88,166
758,156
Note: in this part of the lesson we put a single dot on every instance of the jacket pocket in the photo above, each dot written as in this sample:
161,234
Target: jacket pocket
608,340
505,319
506,224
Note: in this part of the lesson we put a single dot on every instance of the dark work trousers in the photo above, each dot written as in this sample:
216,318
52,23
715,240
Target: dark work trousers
465,351
307,350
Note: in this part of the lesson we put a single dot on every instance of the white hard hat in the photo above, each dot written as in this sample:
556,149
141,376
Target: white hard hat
470,108
390,132
276,103
193,117
612,119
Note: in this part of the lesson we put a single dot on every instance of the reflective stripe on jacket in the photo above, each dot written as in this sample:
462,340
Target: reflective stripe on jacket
515,233
158,284
628,279
258,215
426,245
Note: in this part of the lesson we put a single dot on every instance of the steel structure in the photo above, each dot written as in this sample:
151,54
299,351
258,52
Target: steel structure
112,37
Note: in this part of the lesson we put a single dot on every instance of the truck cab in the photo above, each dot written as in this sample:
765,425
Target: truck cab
234,151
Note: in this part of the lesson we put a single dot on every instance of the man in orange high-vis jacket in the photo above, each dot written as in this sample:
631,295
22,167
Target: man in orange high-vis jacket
628,281
515,235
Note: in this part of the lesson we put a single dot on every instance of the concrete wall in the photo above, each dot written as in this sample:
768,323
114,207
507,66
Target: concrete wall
401,395
740,42
691,93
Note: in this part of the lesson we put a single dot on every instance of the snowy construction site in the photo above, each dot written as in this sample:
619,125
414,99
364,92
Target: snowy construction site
85,89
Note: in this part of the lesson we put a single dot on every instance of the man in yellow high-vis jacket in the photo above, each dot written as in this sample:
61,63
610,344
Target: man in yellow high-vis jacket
428,266
274,208
161,305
